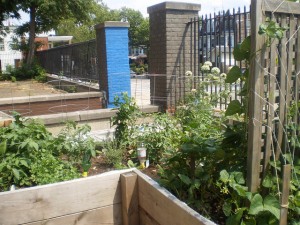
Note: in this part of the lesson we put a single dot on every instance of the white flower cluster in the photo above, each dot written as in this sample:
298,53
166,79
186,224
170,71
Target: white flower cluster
205,68
215,71
223,75
188,73
208,63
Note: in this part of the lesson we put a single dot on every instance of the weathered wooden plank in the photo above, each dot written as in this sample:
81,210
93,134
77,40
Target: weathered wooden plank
282,89
281,6
164,207
290,47
297,73
54,200
285,194
255,96
130,201
146,219
108,215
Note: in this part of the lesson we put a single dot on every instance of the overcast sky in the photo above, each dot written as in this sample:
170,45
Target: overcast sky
207,6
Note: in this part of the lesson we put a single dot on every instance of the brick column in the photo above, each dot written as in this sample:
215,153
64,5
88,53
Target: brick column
112,51
171,49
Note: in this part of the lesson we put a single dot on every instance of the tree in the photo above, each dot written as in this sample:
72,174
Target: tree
138,30
137,22
99,13
8,8
47,14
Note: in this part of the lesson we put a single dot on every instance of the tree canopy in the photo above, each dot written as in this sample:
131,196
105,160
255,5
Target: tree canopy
71,17
45,15
138,30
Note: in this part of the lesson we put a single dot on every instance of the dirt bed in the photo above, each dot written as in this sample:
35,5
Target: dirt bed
10,89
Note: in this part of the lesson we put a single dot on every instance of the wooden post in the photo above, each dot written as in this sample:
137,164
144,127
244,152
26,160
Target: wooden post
130,201
285,194
255,97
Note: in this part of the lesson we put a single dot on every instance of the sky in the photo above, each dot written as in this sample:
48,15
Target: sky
207,6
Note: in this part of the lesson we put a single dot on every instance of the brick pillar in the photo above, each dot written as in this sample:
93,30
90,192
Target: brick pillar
172,49
112,51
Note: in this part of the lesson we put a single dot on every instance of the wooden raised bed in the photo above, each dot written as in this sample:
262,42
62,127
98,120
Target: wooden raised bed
125,197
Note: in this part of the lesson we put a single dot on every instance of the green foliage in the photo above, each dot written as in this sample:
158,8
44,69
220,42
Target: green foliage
125,118
161,135
272,30
74,142
114,154
139,27
99,13
24,72
50,169
261,210
29,154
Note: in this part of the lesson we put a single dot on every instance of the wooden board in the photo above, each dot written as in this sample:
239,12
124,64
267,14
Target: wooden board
130,202
255,108
280,6
54,200
146,219
164,207
108,215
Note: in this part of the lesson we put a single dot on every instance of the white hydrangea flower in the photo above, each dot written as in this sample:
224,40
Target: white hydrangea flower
193,90
188,73
215,70
223,75
208,63
205,68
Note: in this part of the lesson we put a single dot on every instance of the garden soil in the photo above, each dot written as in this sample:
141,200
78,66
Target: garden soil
10,89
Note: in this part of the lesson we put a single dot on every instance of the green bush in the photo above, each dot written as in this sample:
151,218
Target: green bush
30,155
49,169
33,71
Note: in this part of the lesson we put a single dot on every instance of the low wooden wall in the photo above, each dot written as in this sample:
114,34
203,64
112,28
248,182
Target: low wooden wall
118,197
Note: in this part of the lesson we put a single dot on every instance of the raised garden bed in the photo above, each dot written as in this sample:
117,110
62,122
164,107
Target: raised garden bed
125,197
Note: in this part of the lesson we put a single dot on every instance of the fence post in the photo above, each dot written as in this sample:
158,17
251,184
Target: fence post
255,98
113,63
172,50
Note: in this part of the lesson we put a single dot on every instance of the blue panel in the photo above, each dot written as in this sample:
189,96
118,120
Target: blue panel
117,61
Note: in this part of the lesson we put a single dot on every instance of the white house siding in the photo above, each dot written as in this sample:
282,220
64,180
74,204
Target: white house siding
7,55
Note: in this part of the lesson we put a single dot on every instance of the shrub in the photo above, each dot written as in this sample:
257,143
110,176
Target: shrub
33,71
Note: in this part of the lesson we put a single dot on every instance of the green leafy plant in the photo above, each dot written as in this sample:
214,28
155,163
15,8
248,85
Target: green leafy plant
73,141
113,153
29,155
261,210
125,118
24,72
272,30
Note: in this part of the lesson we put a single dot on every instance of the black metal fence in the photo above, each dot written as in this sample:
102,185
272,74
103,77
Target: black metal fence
219,34
213,38
78,61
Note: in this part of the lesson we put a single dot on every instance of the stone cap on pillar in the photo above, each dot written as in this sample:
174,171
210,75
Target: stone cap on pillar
111,24
183,6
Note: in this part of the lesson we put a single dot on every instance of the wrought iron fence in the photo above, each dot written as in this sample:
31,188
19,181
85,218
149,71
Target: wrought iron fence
214,37
78,61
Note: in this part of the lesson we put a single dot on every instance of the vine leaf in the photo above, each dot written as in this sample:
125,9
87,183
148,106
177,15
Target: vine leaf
235,218
256,205
233,75
233,108
272,205
185,179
